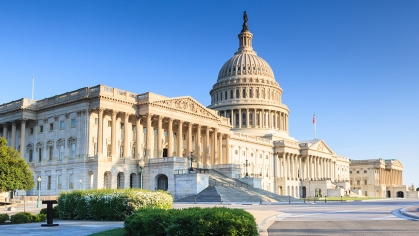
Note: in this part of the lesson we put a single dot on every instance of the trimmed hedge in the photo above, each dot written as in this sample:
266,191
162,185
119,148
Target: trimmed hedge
27,217
109,204
55,212
4,217
191,221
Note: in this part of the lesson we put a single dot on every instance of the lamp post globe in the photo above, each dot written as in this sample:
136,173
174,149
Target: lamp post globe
80,181
38,203
141,166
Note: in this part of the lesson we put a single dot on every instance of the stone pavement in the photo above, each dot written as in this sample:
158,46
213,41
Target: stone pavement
412,212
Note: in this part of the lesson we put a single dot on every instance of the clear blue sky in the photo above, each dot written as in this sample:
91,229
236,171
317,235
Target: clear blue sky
354,63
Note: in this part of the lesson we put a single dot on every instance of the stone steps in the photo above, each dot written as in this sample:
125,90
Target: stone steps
231,190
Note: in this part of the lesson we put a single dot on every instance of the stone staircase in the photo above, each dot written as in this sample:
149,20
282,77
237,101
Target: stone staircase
222,188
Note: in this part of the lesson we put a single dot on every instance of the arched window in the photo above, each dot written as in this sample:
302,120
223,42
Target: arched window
257,93
244,93
244,119
251,119
217,97
221,96
237,120
263,93
267,91
237,93
225,94
251,93
231,94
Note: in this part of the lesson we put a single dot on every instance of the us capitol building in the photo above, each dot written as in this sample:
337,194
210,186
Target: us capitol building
104,137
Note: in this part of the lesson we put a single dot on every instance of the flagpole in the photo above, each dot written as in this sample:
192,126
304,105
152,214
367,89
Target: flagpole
314,123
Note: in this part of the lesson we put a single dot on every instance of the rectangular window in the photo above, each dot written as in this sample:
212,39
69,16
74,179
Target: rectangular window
121,151
61,156
31,131
134,128
73,150
193,138
70,181
267,157
62,125
174,135
49,182
122,126
30,155
51,126
59,182
358,182
73,122
95,149
41,129
357,171
144,152
109,123
155,132
133,152
165,133
145,130
109,150
39,154
350,172
96,120
183,136
50,153
365,171
365,182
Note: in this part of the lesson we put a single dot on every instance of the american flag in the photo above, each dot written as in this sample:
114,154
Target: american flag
314,118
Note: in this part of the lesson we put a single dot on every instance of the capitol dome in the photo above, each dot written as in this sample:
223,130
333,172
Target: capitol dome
247,93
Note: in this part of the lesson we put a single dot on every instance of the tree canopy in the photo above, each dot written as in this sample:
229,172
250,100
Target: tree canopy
15,173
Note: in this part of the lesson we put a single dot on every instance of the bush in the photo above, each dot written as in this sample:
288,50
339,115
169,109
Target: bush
55,212
4,217
21,217
109,204
27,217
191,221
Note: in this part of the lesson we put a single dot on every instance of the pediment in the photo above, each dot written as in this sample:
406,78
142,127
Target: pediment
397,163
187,105
321,146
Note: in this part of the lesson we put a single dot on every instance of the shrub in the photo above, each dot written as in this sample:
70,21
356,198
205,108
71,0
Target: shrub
27,217
191,221
21,217
4,217
109,204
55,212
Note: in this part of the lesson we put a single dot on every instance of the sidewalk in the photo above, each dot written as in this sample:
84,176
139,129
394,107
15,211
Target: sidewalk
412,212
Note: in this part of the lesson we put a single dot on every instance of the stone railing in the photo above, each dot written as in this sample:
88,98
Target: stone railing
247,137
167,159
18,104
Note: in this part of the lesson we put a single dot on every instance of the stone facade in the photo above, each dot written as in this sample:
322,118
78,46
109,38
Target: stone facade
379,178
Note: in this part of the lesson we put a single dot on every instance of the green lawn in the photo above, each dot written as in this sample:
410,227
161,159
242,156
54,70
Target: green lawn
112,232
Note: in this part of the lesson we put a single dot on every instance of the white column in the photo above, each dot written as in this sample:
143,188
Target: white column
160,137
100,132
170,138
189,138
198,144
138,141
180,140
13,141
150,139
127,152
113,133
22,137
228,160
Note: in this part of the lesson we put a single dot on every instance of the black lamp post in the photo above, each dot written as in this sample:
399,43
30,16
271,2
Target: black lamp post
246,165
192,158
141,166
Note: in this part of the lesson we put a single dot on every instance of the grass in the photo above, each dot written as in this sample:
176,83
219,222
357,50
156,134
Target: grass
112,232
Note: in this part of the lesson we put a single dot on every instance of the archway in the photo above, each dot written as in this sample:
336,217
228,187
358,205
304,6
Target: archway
280,190
304,192
164,152
162,182
120,180
318,192
400,194
388,194
107,179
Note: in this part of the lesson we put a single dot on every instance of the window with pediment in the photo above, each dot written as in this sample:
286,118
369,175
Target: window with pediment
72,141
50,149
60,146
29,149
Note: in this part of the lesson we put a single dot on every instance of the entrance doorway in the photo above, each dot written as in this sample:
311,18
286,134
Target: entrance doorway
400,194
388,194
162,183
303,192
164,152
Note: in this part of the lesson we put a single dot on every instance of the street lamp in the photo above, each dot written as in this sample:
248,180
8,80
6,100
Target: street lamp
141,166
192,158
80,181
39,192
246,165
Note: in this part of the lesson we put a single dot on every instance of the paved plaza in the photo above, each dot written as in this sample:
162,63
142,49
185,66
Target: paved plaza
382,217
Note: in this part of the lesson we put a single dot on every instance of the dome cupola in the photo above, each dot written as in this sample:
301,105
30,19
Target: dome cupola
247,93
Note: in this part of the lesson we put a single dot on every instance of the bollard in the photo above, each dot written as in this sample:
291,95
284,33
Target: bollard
260,201
304,200
325,199
289,199
314,199
195,199
340,198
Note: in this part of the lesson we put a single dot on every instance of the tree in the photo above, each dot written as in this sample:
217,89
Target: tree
14,171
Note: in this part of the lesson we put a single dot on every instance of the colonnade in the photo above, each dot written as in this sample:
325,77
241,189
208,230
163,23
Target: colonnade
12,143
256,118
390,176
294,167
246,92
209,152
